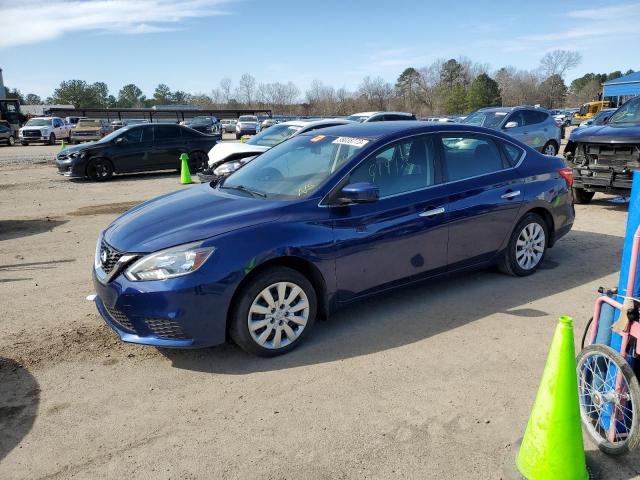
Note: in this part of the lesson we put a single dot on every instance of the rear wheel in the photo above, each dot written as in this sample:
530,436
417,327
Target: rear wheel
527,246
238,136
581,196
274,312
99,169
609,392
198,161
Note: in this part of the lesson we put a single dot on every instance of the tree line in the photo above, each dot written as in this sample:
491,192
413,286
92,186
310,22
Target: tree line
447,86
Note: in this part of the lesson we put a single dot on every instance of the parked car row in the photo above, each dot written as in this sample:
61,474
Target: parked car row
324,217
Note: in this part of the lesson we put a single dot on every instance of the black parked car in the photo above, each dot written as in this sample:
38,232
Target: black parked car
604,157
7,135
210,125
136,148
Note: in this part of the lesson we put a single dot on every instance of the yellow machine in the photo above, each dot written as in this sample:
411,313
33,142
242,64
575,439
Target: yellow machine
588,110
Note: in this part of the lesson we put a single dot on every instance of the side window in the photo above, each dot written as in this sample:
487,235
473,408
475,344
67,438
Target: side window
189,133
138,135
377,118
404,166
532,117
513,153
167,132
516,117
468,155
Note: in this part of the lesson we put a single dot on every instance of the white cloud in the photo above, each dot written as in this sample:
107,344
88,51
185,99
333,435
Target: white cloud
32,21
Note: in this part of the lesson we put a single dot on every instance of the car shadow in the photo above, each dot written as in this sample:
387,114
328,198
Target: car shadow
19,400
129,177
11,229
389,320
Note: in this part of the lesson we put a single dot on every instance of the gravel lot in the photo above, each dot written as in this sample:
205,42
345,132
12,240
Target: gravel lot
433,381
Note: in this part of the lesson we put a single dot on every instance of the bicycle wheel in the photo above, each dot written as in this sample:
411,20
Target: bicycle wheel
586,335
609,392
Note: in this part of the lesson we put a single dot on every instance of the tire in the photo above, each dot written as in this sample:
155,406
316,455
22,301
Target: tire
24,144
99,169
52,139
268,317
586,334
238,136
597,368
550,148
198,161
523,256
581,196
11,141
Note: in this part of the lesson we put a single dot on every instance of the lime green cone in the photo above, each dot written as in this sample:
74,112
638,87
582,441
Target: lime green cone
62,145
185,174
552,445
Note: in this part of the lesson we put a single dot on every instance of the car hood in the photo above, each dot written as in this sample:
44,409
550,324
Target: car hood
223,151
189,215
247,124
78,148
607,134
35,127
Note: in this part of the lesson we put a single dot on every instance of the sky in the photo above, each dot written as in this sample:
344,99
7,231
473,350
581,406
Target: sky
191,45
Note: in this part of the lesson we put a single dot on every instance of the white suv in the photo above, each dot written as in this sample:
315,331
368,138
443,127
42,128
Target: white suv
44,129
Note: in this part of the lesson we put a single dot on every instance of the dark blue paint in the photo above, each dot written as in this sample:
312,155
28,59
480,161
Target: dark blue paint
355,250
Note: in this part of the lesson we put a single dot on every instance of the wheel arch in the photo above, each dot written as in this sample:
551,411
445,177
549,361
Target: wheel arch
548,219
301,265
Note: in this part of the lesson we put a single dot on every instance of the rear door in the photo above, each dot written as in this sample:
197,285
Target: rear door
537,130
486,193
168,145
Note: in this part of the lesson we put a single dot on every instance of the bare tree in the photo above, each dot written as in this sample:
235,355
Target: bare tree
376,92
225,90
247,88
559,61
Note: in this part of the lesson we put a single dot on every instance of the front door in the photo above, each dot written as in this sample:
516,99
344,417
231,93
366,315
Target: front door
486,194
134,151
404,234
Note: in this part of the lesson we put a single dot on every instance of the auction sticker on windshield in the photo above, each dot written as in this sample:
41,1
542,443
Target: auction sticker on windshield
317,138
353,141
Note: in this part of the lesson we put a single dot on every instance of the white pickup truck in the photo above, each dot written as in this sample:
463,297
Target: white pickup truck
44,129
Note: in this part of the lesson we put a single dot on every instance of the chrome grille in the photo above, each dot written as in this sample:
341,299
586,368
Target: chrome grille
108,257
167,329
120,319
32,133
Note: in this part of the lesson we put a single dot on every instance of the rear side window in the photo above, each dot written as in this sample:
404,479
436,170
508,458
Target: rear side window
516,117
513,153
402,167
167,132
189,133
531,117
470,155
137,135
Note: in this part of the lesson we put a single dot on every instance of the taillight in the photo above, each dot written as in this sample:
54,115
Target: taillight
567,174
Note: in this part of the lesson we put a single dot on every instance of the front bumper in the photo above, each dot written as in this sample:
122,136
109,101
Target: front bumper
39,138
173,313
70,167
601,180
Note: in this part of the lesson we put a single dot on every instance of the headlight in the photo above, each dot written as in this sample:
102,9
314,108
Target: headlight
169,263
227,168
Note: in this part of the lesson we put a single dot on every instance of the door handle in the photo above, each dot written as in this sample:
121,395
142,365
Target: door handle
510,195
432,213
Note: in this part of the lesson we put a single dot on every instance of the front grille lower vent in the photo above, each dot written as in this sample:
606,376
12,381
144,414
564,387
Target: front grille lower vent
166,329
120,319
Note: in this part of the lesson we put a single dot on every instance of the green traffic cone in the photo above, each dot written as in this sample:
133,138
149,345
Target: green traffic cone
552,445
62,145
185,174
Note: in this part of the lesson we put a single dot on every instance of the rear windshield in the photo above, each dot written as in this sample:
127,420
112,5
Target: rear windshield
248,118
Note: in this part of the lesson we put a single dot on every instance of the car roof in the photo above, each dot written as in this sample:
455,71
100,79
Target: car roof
313,123
377,130
370,114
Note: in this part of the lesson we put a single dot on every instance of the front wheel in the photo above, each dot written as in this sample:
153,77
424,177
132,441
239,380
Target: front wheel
275,310
550,148
99,169
581,196
527,246
52,139
198,161
608,391
11,141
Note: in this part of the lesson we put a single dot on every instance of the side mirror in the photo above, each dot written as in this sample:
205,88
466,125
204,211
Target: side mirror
511,125
361,192
119,141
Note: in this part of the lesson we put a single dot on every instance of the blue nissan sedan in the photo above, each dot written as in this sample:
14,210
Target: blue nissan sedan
321,220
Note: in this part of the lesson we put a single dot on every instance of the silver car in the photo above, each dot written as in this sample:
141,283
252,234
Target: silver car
228,125
533,126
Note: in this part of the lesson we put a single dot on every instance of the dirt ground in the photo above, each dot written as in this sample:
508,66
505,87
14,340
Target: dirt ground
434,381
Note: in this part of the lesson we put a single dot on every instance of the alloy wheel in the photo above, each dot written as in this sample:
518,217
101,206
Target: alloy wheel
530,246
278,315
550,150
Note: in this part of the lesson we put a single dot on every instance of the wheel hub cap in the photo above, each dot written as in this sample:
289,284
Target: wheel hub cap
530,246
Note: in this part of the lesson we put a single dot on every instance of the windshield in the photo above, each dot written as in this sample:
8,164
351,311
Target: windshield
113,135
485,119
38,122
89,123
295,168
627,113
357,118
248,118
273,135
201,120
